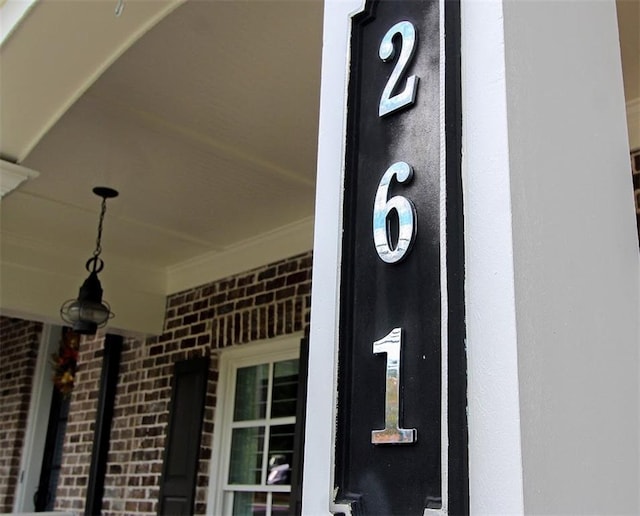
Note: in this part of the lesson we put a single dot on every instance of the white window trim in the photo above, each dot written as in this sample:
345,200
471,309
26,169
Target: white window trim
229,361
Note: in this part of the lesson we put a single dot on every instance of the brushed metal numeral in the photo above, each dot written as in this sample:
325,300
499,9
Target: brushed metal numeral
407,222
409,37
391,344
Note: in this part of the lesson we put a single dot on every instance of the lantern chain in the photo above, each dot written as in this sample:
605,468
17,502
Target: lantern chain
103,210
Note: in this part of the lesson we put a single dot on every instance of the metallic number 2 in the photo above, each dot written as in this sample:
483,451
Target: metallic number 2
392,433
409,36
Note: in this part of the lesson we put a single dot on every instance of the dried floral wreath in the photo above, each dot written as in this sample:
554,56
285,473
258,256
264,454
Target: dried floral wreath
65,362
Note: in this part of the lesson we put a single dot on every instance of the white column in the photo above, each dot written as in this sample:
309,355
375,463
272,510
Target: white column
552,263
495,461
575,254
552,267
318,478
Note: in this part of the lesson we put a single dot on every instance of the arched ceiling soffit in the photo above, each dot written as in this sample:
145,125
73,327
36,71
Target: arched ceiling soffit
79,39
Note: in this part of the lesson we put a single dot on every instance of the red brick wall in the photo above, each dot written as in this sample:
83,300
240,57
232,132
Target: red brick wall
271,301
19,342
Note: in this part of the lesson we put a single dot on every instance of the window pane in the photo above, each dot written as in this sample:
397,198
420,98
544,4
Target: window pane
280,454
246,455
280,504
249,504
251,393
285,388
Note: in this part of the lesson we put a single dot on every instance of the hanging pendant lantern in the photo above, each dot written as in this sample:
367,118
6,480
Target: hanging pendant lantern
89,312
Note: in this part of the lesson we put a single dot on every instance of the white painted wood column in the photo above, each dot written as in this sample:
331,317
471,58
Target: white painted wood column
495,461
575,258
318,470
552,266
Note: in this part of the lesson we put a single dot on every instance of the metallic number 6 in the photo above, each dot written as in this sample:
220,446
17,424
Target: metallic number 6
406,215
409,36
392,433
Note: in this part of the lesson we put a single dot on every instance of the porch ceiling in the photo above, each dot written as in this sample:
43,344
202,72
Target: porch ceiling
629,28
207,126
203,114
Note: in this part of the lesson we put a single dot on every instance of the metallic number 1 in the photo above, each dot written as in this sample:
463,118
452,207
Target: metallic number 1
392,433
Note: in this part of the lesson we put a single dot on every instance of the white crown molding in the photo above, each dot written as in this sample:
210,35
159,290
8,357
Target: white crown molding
269,247
12,175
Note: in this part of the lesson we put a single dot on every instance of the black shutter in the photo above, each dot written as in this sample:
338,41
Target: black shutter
182,450
44,497
112,354
295,506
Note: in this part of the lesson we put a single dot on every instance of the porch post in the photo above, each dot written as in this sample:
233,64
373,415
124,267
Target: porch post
551,261
573,329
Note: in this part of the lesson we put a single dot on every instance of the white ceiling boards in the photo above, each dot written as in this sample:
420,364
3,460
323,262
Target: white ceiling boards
203,115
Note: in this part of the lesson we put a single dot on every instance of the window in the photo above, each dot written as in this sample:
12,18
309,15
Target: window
255,429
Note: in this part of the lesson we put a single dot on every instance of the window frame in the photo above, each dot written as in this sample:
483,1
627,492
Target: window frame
229,361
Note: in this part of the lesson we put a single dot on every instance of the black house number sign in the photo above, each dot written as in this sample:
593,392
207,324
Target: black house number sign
401,442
